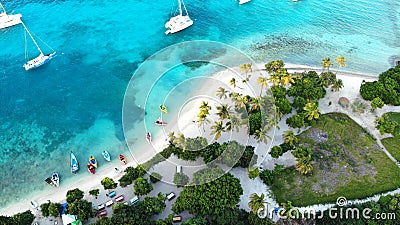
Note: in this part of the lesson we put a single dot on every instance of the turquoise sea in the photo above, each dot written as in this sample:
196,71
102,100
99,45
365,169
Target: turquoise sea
75,101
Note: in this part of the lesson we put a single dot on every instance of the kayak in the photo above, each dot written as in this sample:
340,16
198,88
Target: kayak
148,137
74,163
55,179
106,155
159,122
91,168
93,161
122,159
163,109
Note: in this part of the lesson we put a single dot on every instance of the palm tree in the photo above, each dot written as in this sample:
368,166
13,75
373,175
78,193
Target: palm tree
341,61
337,85
233,123
303,165
275,79
256,202
262,81
289,137
274,66
202,117
256,103
326,63
232,82
171,137
204,106
242,102
246,68
221,93
217,129
180,141
286,78
223,111
311,110
261,135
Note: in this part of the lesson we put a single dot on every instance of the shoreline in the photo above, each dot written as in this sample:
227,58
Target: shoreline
58,195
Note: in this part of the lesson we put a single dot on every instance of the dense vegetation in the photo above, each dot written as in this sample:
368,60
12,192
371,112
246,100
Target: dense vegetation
387,88
18,219
346,162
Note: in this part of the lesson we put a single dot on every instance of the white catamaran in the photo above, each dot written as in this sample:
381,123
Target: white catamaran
41,59
8,20
179,22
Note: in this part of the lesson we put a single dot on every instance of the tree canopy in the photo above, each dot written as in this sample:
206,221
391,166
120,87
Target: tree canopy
210,198
387,88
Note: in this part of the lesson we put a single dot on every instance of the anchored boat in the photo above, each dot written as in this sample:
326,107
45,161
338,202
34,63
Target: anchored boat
39,60
179,22
7,20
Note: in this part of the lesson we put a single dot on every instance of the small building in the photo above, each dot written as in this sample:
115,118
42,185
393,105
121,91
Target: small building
344,102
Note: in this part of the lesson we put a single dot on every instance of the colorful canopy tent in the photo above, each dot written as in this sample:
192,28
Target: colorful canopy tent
68,219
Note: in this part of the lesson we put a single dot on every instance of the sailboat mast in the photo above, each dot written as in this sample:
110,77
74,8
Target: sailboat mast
3,9
187,14
180,7
30,35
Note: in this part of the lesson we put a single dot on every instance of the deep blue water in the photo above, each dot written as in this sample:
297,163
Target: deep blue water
75,101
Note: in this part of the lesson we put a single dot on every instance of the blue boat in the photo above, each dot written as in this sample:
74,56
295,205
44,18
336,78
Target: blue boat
106,155
74,163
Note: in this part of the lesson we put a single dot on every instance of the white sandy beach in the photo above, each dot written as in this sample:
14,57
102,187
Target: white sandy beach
183,123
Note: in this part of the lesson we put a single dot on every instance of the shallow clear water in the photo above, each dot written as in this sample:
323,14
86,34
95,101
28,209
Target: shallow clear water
74,102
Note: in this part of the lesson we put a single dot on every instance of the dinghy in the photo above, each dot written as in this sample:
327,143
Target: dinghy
163,109
122,159
93,161
148,137
55,179
106,155
91,168
74,163
159,122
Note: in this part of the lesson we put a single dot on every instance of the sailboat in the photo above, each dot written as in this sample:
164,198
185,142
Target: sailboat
41,59
74,163
179,22
8,20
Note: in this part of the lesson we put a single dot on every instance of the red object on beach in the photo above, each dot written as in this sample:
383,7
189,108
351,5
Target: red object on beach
159,122
122,159
148,137
91,168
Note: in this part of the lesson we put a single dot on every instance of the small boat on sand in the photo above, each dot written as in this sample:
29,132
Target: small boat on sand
118,170
55,179
91,168
163,109
93,161
122,159
148,137
106,155
34,205
74,163
159,122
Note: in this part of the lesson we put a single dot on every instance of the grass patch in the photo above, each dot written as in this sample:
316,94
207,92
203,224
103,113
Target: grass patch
346,160
392,144
395,116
